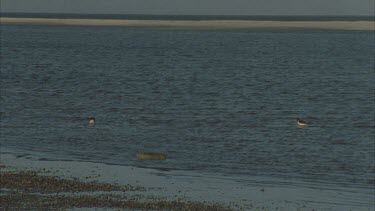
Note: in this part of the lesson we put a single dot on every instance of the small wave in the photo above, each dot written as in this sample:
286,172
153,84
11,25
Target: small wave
341,142
364,126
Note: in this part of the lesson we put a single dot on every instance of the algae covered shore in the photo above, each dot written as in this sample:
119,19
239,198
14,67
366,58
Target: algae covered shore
23,190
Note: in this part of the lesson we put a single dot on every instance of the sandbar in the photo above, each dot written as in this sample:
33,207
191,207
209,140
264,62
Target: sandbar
224,24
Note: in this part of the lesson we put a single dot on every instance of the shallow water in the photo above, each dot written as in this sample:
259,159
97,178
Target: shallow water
215,101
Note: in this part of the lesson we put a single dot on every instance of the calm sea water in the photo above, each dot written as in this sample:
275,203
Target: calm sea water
216,101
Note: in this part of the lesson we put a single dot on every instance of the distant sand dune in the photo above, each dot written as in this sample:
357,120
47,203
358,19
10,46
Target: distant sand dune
233,24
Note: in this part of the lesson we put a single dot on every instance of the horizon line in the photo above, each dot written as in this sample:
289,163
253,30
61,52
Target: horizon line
152,14
224,24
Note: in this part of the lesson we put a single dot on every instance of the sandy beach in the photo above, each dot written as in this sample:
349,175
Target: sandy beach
225,24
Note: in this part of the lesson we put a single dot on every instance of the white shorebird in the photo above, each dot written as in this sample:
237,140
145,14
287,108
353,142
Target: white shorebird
92,121
300,122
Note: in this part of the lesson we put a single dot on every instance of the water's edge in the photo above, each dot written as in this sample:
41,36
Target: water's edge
252,192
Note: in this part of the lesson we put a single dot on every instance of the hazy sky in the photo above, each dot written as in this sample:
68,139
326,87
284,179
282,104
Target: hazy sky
194,7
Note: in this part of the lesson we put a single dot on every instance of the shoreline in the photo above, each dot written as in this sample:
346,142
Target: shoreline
255,193
39,190
210,24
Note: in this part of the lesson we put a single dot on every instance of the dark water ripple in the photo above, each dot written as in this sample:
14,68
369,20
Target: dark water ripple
213,100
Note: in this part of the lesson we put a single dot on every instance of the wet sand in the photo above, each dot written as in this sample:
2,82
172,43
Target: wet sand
32,189
37,189
84,184
225,24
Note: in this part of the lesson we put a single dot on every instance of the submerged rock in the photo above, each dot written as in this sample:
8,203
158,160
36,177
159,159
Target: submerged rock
151,156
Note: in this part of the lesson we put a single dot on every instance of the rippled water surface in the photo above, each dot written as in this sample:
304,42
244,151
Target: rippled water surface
218,101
